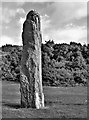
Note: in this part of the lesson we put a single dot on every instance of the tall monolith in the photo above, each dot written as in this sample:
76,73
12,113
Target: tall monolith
31,69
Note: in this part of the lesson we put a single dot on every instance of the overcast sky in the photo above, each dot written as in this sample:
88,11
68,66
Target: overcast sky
62,22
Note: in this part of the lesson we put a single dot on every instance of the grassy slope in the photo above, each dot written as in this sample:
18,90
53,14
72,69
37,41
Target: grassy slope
60,102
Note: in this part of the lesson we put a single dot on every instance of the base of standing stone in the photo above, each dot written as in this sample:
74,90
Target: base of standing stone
39,103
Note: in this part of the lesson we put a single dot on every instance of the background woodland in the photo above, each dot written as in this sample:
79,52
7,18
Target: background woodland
62,64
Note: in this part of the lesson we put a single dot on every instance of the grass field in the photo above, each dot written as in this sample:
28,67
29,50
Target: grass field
59,103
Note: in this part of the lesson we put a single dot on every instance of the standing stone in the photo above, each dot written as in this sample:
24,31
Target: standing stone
31,71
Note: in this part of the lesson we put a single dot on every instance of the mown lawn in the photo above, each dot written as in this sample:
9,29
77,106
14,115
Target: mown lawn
59,103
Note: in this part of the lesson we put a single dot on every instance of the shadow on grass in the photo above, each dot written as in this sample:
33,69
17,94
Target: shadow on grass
47,103
12,105
51,103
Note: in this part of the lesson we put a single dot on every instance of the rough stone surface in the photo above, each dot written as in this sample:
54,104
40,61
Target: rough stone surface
31,71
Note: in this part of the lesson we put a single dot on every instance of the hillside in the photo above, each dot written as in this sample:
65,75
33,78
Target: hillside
62,64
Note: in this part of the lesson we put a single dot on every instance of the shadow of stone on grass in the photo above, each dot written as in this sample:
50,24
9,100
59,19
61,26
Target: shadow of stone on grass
18,106
12,105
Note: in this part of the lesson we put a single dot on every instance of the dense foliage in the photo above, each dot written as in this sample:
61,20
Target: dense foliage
62,64
65,64
11,63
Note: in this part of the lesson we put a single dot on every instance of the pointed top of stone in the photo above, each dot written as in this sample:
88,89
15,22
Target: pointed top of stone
31,14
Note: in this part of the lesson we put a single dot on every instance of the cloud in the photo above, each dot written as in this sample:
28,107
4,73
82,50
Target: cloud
60,21
8,14
20,11
82,12
59,24
45,22
62,13
20,23
45,25
68,34
8,40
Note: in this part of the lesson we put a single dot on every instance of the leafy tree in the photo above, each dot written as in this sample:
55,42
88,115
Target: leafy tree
11,66
62,64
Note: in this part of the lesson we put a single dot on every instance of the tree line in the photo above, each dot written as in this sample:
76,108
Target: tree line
62,64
